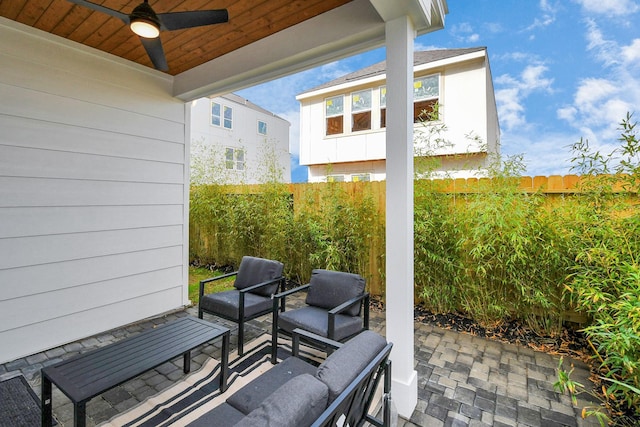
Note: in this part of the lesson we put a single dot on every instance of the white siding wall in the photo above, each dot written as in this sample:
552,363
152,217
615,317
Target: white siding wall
464,105
93,196
243,135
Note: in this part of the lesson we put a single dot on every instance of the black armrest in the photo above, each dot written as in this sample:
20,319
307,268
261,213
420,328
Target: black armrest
292,291
261,285
331,327
347,304
212,279
310,336
279,302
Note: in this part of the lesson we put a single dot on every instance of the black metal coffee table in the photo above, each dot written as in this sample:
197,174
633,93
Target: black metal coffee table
87,375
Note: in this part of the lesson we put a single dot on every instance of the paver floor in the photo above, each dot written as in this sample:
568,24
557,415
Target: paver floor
463,380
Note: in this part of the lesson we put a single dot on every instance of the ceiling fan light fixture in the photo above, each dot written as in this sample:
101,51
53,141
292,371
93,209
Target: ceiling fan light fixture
145,29
144,21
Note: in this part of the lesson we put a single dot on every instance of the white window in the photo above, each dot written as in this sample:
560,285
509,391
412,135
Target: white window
361,110
334,108
426,91
361,177
335,178
215,114
383,106
228,117
221,115
234,159
262,127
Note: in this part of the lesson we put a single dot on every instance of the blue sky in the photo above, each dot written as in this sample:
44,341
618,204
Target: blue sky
562,70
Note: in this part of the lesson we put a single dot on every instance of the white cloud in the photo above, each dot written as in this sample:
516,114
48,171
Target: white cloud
464,32
631,53
609,7
513,91
605,50
293,116
547,18
600,103
493,27
546,153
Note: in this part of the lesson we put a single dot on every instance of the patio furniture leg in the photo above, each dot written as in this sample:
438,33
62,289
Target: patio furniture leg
241,337
187,362
274,334
47,417
224,371
80,414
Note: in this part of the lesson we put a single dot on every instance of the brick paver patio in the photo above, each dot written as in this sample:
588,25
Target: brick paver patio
463,380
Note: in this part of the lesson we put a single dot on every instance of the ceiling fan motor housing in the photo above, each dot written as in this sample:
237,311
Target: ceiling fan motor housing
144,12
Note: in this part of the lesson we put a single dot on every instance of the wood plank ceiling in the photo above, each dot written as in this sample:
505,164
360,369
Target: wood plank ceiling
249,21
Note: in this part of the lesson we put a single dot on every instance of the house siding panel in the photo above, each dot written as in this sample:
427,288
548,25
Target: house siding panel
93,193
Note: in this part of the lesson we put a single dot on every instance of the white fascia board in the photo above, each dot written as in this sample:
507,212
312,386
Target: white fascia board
347,30
344,87
450,61
381,78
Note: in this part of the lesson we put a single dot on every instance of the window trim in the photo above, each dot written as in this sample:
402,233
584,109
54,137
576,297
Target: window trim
226,108
212,116
365,175
265,127
425,103
334,118
234,161
363,113
382,95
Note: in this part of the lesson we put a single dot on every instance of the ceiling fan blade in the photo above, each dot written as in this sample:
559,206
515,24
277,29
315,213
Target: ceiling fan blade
155,52
198,18
115,13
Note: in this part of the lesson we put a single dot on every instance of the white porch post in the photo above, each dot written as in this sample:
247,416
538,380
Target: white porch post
400,36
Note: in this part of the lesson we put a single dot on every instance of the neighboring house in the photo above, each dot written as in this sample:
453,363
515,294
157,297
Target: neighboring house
343,122
236,141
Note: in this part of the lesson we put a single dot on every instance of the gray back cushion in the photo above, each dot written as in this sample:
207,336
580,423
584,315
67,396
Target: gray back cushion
339,369
297,403
254,270
329,289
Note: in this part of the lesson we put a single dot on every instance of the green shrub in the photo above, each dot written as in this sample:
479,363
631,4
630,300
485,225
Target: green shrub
605,282
438,268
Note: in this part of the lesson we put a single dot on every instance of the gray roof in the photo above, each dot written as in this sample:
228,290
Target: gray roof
419,58
240,100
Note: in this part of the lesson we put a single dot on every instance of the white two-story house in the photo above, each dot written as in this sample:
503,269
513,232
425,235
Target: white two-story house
342,122
235,141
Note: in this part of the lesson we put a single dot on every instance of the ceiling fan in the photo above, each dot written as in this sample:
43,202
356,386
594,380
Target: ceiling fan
147,24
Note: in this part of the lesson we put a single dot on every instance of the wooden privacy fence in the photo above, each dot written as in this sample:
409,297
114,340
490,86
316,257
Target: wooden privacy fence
305,194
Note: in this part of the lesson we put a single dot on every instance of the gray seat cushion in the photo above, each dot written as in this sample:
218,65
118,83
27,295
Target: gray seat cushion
316,320
223,415
329,289
343,365
226,304
254,270
249,397
297,403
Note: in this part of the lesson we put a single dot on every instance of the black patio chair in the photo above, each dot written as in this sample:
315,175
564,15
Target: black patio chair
337,308
257,279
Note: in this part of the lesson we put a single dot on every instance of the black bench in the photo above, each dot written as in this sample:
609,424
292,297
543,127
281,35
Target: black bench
295,393
87,375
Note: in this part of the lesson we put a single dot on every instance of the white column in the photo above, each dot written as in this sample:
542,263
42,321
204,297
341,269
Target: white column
399,232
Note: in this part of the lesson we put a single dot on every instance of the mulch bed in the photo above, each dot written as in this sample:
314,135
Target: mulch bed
570,342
